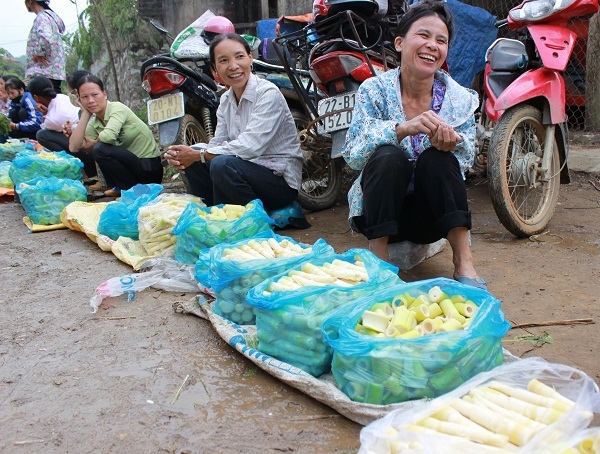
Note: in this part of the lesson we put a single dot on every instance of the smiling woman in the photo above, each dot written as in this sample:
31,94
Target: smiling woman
412,159
255,153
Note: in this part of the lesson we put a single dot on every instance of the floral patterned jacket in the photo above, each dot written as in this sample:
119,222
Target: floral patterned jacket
44,39
379,109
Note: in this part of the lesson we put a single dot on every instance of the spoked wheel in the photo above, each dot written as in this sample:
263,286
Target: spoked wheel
523,195
190,133
321,175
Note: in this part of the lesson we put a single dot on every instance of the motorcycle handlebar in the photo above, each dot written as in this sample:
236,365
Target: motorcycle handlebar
501,23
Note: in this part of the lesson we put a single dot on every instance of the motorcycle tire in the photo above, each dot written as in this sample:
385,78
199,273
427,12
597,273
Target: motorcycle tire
524,207
190,133
321,175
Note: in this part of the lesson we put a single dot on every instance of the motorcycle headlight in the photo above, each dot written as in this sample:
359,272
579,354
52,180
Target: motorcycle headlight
537,10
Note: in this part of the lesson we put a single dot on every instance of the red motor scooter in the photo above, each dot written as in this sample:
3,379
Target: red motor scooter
526,150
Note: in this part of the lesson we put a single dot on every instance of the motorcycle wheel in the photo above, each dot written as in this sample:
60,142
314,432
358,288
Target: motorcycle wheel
523,202
321,175
190,133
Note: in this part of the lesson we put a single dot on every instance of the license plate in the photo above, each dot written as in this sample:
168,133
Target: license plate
334,121
165,108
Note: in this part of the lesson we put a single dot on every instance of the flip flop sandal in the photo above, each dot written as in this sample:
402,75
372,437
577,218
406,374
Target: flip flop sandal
472,281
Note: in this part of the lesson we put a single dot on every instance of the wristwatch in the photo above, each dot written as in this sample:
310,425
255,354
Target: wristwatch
202,158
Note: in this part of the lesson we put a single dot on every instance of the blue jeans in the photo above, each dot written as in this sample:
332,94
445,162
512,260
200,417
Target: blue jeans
229,179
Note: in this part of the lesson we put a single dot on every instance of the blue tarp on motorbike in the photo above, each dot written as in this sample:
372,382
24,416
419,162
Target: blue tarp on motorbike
474,32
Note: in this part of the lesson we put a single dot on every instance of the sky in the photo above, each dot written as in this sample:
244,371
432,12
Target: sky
16,21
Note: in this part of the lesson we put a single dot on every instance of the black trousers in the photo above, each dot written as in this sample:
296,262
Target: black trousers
229,179
122,169
57,141
437,204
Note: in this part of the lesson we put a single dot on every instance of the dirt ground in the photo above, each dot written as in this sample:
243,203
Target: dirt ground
76,382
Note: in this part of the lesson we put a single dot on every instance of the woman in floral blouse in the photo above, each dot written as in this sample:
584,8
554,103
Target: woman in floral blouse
413,137
45,51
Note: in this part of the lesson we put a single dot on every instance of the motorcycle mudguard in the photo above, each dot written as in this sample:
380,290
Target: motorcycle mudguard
533,84
338,138
554,43
167,131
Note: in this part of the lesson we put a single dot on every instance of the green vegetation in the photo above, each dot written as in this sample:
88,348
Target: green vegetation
10,66
4,125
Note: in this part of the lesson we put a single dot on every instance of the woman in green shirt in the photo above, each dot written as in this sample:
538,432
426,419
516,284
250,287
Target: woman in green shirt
122,144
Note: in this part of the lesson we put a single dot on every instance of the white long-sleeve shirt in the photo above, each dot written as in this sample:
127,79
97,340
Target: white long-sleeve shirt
60,110
259,129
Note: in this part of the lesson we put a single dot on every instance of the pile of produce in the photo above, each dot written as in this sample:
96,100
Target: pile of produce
291,307
203,227
523,406
232,269
157,220
399,344
120,218
44,199
29,164
9,150
407,316
5,181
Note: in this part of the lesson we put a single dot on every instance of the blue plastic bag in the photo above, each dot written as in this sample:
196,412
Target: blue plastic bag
232,279
195,231
29,164
381,370
5,181
120,218
289,322
9,150
44,199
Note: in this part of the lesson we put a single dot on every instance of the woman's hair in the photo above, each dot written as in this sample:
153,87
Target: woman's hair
41,86
15,83
90,78
423,9
44,3
74,77
222,37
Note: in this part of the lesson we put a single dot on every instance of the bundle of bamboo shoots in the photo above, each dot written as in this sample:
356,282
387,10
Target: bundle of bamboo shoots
491,418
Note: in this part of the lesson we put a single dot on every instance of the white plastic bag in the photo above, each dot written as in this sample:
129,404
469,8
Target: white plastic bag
190,43
164,274
571,383
406,255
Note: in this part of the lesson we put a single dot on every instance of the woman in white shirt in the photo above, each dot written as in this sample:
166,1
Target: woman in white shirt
255,153
57,110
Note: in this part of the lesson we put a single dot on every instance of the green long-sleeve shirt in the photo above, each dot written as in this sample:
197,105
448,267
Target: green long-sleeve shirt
123,128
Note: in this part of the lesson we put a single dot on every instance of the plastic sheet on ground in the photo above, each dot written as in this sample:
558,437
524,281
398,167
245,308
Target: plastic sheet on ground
165,274
322,389
41,228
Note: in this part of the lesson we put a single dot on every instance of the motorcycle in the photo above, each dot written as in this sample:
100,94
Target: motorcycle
526,149
183,100
346,45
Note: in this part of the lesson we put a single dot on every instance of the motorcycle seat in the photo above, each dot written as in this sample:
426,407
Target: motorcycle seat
508,55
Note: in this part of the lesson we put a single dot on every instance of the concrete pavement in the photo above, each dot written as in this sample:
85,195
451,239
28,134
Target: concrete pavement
583,157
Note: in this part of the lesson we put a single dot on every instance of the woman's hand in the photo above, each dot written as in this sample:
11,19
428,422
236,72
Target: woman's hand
181,156
41,108
67,128
41,60
13,126
441,135
445,138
